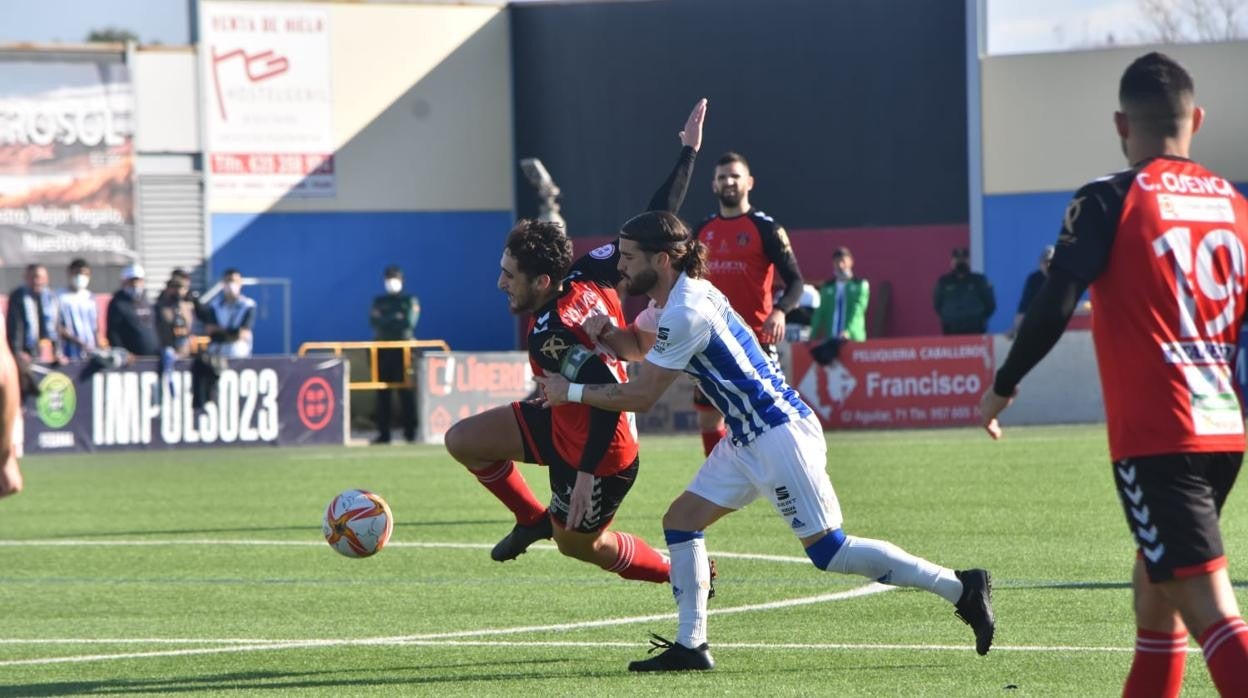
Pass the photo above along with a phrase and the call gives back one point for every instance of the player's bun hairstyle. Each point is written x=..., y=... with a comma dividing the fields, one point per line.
x=1156, y=93
x=660, y=231
x=540, y=247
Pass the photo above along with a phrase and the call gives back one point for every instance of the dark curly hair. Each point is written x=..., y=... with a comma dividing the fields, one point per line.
x=540, y=248
x=661, y=231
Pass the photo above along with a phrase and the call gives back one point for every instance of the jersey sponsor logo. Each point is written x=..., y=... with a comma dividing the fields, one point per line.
x=1199, y=209
x=603, y=252
x=784, y=239
x=573, y=361
x=1185, y=184
x=553, y=347
x=660, y=340
x=1073, y=209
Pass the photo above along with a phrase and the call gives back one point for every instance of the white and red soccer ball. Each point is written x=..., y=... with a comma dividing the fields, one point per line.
x=357, y=523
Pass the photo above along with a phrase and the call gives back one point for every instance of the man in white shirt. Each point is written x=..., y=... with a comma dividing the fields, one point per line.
x=79, y=319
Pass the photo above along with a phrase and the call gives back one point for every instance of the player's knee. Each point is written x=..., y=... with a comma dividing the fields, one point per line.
x=575, y=546
x=822, y=551
x=459, y=440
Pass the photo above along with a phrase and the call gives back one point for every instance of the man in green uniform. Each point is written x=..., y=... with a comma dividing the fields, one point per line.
x=394, y=317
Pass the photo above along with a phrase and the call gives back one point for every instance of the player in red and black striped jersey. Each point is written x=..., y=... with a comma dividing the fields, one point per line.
x=746, y=250
x=1163, y=247
x=590, y=454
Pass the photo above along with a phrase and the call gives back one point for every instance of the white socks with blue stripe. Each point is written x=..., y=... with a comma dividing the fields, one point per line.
x=888, y=564
x=691, y=583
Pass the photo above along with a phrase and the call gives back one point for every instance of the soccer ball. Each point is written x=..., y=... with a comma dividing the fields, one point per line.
x=357, y=523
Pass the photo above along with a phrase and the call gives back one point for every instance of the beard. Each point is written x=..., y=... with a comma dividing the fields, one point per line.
x=730, y=198
x=641, y=284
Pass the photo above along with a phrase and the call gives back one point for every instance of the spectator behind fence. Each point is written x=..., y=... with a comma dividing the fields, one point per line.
x=79, y=321
x=229, y=317
x=131, y=321
x=964, y=299
x=1030, y=287
x=394, y=316
x=842, y=314
x=32, y=317
x=175, y=314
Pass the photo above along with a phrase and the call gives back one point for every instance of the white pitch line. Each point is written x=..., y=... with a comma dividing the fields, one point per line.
x=873, y=588
x=139, y=542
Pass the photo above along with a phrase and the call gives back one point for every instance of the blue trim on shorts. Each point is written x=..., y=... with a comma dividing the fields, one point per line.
x=823, y=550
x=673, y=537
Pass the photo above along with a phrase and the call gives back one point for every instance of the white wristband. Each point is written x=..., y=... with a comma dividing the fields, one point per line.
x=574, y=391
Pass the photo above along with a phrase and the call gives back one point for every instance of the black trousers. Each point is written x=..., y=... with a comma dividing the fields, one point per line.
x=390, y=369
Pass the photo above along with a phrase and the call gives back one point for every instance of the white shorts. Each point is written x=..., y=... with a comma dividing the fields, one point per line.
x=787, y=465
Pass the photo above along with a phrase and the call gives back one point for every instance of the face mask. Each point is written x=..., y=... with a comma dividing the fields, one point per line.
x=134, y=291
x=394, y=285
x=81, y=281
x=235, y=290
x=962, y=267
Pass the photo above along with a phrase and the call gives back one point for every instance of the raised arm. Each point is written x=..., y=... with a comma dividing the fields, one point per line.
x=671, y=194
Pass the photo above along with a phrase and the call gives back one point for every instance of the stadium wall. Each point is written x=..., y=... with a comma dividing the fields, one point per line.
x=852, y=115
x=1048, y=129
x=421, y=122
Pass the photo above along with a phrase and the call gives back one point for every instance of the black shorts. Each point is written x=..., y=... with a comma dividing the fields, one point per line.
x=539, y=447
x=1172, y=503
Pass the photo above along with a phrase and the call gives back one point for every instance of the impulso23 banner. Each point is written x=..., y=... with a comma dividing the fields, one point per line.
x=66, y=164
x=274, y=401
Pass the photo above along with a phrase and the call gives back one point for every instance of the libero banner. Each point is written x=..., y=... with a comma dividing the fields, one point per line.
x=66, y=163
x=453, y=385
x=898, y=383
x=267, y=99
x=277, y=401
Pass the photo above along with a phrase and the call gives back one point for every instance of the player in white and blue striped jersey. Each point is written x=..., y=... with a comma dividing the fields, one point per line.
x=775, y=449
x=79, y=321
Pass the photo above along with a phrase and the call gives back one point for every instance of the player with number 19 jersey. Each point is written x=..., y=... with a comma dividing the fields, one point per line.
x=1163, y=246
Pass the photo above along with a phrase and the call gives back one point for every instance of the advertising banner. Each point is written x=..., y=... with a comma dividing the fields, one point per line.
x=267, y=99
x=898, y=383
x=277, y=401
x=454, y=385
x=66, y=164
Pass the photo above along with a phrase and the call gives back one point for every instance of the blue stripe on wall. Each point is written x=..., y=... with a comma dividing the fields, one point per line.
x=1016, y=229
x=335, y=261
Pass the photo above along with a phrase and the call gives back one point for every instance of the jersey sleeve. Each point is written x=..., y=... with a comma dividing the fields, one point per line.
x=600, y=265
x=1087, y=233
x=780, y=253
x=671, y=194
x=648, y=320
x=557, y=350
x=681, y=334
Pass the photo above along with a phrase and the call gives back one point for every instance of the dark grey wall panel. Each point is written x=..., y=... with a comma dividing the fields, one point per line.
x=851, y=112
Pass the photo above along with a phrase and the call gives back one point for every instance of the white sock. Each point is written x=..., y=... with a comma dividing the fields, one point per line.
x=889, y=564
x=691, y=582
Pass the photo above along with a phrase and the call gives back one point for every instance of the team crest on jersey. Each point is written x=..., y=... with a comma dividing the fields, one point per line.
x=743, y=239
x=553, y=347
x=603, y=252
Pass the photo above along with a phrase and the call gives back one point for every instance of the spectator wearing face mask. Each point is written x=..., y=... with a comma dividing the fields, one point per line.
x=393, y=317
x=131, y=321
x=963, y=299
x=79, y=321
x=175, y=314
x=229, y=319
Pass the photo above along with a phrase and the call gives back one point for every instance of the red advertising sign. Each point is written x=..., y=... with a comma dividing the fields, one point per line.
x=455, y=385
x=898, y=383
